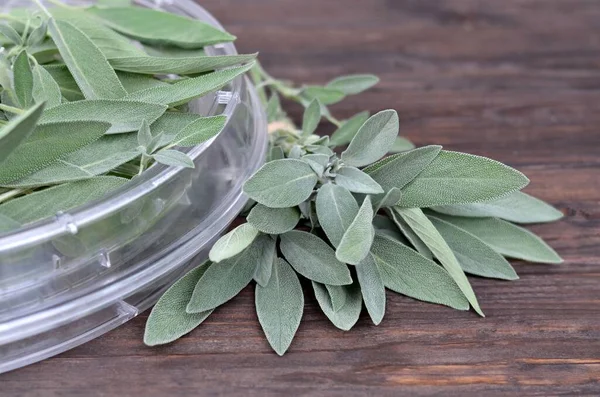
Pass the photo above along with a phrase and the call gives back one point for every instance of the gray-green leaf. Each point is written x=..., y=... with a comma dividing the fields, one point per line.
x=263, y=254
x=412, y=237
x=18, y=130
x=389, y=199
x=318, y=162
x=353, y=84
x=279, y=306
x=402, y=145
x=406, y=272
x=348, y=315
x=273, y=220
x=325, y=95
x=357, y=239
x=313, y=258
x=281, y=183
x=23, y=79
x=518, y=207
x=10, y=33
x=181, y=66
x=45, y=88
x=168, y=320
x=373, y=139
x=337, y=295
x=356, y=181
x=372, y=288
x=336, y=209
x=173, y=158
x=344, y=134
x=474, y=255
x=422, y=226
x=199, y=131
x=233, y=242
x=459, y=178
x=312, y=116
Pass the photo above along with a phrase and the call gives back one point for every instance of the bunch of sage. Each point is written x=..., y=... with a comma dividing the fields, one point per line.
x=92, y=96
x=353, y=222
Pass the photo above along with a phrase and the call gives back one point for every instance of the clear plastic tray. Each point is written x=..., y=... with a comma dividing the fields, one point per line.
x=69, y=279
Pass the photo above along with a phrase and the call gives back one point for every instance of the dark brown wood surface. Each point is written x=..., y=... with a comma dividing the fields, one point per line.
x=515, y=80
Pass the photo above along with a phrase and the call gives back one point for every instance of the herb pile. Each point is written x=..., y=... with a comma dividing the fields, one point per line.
x=353, y=223
x=92, y=96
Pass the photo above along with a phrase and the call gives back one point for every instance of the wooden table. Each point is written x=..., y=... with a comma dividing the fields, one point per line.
x=515, y=80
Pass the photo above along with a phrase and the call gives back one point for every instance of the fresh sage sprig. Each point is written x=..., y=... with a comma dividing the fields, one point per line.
x=355, y=223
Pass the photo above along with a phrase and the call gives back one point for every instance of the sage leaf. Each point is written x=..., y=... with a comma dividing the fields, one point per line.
x=263, y=253
x=46, y=203
x=276, y=153
x=412, y=237
x=505, y=238
x=185, y=90
x=47, y=143
x=318, y=162
x=68, y=86
x=168, y=320
x=356, y=181
x=353, y=84
x=344, y=134
x=408, y=273
x=233, y=242
x=389, y=199
x=161, y=28
x=173, y=52
x=373, y=140
x=281, y=183
x=384, y=226
x=45, y=88
x=144, y=136
x=422, y=226
x=273, y=220
x=38, y=35
x=18, y=130
x=459, y=178
x=311, y=119
x=7, y=224
x=326, y=96
x=279, y=306
x=474, y=255
x=11, y=34
x=221, y=282
x=348, y=315
x=313, y=258
x=133, y=82
x=337, y=296
x=23, y=79
x=90, y=69
x=180, y=66
x=372, y=288
x=400, y=169
x=124, y=116
x=172, y=123
x=199, y=131
x=336, y=209
x=357, y=239
x=517, y=207
x=402, y=145
x=99, y=157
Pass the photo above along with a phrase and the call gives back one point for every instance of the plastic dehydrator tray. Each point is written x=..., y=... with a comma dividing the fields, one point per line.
x=70, y=279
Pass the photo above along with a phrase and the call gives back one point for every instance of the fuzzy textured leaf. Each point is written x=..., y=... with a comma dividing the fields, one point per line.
x=336, y=209
x=412, y=237
x=326, y=96
x=356, y=181
x=199, y=131
x=45, y=88
x=372, y=288
x=402, y=144
x=311, y=118
x=273, y=220
x=348, y=315
x=353, y=84
x=233, y=242
x=373, y=140
x=357, y=239
x=179, y=65
x=344, y=134
x=18, y=130
x=263, y=255
x=23, y=79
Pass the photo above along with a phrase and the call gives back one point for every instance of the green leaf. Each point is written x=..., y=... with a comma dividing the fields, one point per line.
x=326, y=96
x=233, y=242
x=373, y=139
x=199, y=131
x=273, y=109
x=38, y=35
x=168, y=320
x=400, y=169
x=311, y=119
x=273, y=220
x=353, y=84
x=221, y=282
x=507, y=239
x=348, y=315
x=173, y=52
x=402, y=145
x=46, y=203
x=124, y=116
x=18, y=130
x=279, y=306
x=187, y=89
x=133, y=82
x=47, y=143
x=384, y=226
x=313, y=258
x=344, y=134
x=336, y=209
x=318, y=162
x=263, y=254
x=337, y=296
x=45, y=88
x=459, y=178
x=10, y=33
x=357, y=239
x=68, y=86
x=180, y=66
x=7, y=224
x=518, y=207
x=356, y=181
x=162, y=28
x=389, y=199
x=474, y=255
x=99, y=157
x=408, y=273
x=422, y=226
x=372, y=288
x=23, y=79
x=114, y=3
x=144, y=136
x=281, y=183
x=276, y=153
x=90, y=69
x=412, y=237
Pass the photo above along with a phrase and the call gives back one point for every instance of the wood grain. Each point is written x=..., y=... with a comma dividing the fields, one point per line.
x=516, y=80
